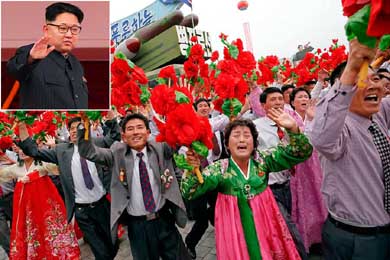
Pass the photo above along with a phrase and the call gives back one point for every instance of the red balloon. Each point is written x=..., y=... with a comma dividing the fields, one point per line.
x=242, y=5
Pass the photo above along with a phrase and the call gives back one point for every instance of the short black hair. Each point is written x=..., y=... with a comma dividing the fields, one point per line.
x=295, y=92
x=242, y=122
x=53, y=10
x=310, y=82
x=134, y=116
x=337, y=72
x=200, y=100
x=382, y=70
x=267, y=91
x=72, y=120
x=286, y=87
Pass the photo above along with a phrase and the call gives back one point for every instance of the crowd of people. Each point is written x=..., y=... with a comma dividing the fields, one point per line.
x=298, y=168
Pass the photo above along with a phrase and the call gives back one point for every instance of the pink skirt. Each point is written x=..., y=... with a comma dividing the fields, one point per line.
x=274, y=237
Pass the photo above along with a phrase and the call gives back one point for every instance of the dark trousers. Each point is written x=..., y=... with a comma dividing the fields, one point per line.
x=282, y=194
x=5, y=216
x=94, y=222
x=152, y=239
x=339, y=244
x=202, y=215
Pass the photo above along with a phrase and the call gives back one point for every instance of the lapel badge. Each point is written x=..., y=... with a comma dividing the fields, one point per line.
x=167, y=178
x=122, y=176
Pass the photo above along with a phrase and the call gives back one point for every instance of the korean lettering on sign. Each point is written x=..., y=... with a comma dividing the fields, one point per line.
x=124, y=28
x=184, y=35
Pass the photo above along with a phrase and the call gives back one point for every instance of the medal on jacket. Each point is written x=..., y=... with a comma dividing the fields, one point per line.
x=166, y=178
x=122, y=176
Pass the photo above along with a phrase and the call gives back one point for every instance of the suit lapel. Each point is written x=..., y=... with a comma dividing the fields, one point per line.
x=154, y=162
x=129, y=165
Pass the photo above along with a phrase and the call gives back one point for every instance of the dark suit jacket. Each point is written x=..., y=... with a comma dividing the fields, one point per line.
x=62, y=156
x=120, y=156
x=50, y=83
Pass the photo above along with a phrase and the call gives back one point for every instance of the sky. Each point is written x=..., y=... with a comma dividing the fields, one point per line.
x=277, y=27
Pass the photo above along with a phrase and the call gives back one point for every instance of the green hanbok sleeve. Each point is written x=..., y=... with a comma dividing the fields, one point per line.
x=190, y=186
x=285, y=157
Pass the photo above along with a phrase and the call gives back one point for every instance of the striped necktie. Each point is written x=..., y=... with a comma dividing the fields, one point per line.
x=383, y=146
x=147, y=192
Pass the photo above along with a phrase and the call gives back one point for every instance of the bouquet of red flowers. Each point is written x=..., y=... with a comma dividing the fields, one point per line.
x=177, y=121
x=128, y=84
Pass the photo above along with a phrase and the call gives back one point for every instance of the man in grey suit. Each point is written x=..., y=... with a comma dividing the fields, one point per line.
x=84, y=185
x=145, y=192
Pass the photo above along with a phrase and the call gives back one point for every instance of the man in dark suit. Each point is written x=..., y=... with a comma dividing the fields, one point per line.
x=50, y=76
x=145, y=192
x=84, y=184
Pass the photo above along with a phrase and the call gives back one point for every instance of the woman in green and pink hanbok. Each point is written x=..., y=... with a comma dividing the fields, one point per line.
x=248, y=224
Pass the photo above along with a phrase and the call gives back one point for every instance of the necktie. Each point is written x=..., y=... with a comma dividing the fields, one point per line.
x=383, y=147
x=280, y=133
x=147, y=192
x=86, y=174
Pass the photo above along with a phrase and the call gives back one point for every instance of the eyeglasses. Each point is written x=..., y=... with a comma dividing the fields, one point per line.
x=63, y=28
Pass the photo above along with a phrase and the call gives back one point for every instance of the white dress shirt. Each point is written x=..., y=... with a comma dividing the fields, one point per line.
x=268, y=138
x=84, y=195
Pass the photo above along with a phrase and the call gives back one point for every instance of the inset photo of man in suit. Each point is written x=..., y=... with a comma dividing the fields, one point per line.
x=66, y=60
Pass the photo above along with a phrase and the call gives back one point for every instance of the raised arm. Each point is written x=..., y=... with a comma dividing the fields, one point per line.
x=92, y=152
x=284, y=157
x=30, y=147
x=328, y=132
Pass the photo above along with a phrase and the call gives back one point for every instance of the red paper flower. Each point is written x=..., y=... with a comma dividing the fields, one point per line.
x=168, y=73
x=182, y=126
x=214, y=56
x=5, y=142
x=223, y=36
x=194, y=38
x=163, y=99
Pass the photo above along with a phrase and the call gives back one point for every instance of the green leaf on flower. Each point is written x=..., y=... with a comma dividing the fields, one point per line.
x=356, y=27
x=231, y=107
x=161, y=81
x=384, y=43
x=181, y=162
x=120, y=55
x=93, y=115
x=233, y=51
x=200, y=148
x=145, y=94
x=181, y=98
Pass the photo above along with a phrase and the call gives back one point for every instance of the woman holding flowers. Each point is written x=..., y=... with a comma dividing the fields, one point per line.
x=248, y=224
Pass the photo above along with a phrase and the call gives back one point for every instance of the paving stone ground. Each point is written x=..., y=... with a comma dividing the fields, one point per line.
x=205, y=249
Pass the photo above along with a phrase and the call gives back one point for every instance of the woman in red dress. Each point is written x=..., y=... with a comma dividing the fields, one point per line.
x=39, y=226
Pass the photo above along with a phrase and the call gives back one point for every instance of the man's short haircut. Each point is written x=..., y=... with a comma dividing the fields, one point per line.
x=72, y=120
x=382, y=70
x=337, y=72
x=266, y=92
x=287, y=87
x=200, y=100
x=53, y=10
x=134, y=116
x=310, y=82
